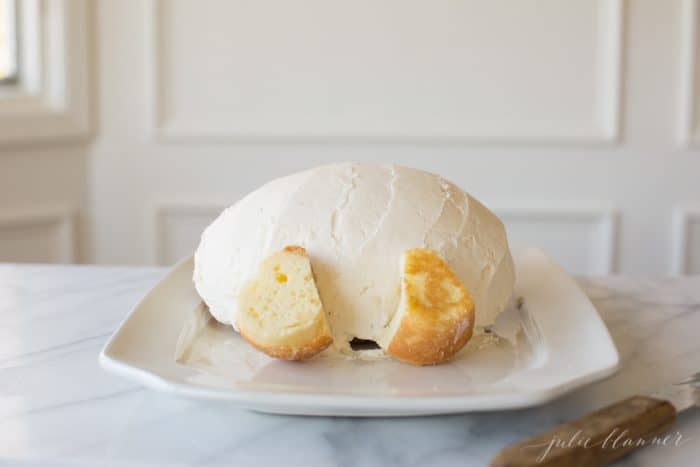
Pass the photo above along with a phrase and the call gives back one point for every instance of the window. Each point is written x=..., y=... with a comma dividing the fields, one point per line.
x=8, y=42
x=44, y=87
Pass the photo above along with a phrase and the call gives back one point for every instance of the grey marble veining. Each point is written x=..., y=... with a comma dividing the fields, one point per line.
x=58, y=407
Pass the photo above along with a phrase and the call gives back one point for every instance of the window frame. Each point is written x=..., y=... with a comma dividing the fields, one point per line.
x=13, y=79
x=48, y=100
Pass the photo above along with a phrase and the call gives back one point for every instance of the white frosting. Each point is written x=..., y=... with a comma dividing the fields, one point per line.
x=355, y=221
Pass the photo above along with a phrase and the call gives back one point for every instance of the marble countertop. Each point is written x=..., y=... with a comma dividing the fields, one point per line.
x=58, y=407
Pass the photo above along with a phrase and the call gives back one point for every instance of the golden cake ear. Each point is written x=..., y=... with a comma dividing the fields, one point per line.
x=280, y=310
x=435, y=318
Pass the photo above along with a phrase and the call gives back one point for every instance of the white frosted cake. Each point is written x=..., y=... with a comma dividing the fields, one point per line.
x=355, y=221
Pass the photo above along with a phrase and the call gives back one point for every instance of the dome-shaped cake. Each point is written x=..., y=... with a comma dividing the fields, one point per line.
x=355, y=221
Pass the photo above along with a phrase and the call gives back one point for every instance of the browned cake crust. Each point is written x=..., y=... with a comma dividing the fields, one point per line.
x=299, y=250
x=438, y=319
x=285, y=352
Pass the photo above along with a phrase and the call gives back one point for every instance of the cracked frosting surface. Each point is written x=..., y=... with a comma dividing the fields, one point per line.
x=355, y=221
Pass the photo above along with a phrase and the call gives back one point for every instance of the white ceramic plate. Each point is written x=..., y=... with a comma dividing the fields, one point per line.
x=557, y=343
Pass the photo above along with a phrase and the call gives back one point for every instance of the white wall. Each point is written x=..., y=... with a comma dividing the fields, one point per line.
x=42, y=202
x=574, y=120
x=44, y=125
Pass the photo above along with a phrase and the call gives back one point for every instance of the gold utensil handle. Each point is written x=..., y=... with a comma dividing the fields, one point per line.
x=596, y=439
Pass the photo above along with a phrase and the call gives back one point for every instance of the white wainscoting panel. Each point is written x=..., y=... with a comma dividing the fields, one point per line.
x=177, y=228
x=685, y=247
x=532, y=71
x=538, y=100
x=581, y=237
x=38, y=235
x=689, y=97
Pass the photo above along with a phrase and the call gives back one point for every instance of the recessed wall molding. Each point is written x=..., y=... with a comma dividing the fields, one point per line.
x=686, y=228
x=688, y=128
x=582, y=236
x=176, y=226
x=50, y=231
x=178, y=124
x=50, y=100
